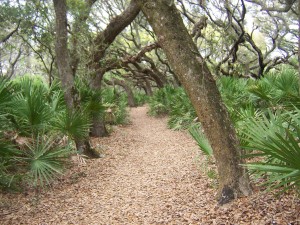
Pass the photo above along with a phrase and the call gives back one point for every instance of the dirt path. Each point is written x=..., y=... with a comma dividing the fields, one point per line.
x=149, y=175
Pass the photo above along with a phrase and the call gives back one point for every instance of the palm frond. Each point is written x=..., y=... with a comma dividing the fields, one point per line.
x=74, y=124
x=44, y=159
x=278, y=142
x=201, y=140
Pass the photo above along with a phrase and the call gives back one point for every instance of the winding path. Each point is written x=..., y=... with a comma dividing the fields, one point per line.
x=149, y=175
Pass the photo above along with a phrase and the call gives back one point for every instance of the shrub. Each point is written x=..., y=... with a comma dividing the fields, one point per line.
x=115, y=104
x=140, y=98
x=275, y=138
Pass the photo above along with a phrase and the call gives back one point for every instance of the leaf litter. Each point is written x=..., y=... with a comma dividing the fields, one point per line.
x=148, y=174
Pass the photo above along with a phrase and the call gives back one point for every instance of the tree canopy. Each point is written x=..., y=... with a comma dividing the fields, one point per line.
x=89, y=45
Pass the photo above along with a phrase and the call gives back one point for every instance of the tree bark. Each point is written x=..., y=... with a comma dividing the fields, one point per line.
x=102, y=41
x=105, y=38
x=61, y=50
x=98, y=128
x=77, y=30
x=65, y=71
x=201, y=88
x=148, y=88
x=122, y=83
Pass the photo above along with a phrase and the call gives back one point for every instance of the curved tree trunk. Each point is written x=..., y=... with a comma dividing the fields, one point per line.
x=201, y=88
x=102, y=41
x=122, y=83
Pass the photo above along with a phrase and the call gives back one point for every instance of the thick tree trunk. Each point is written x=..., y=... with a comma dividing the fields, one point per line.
x=98, y=128
x=61, y=50
x=78, y=29
x=64, y=68
x=102, y=41
x=201, y=87
x=84, y=147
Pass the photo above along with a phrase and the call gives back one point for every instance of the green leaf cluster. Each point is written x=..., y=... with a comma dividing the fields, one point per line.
x=266, y=115
x=34, y=122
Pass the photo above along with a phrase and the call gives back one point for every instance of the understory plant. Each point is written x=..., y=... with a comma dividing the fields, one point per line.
x=33, y=121
x=175, y=103
x=273, y=140
x=160, y=102
x=182, y=114
x=140, y=98
x=266, y=116
x=115, y=104
x=45, y=159
x=204, y=145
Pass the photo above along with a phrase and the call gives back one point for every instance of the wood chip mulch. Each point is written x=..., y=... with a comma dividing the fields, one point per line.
x=149, y=175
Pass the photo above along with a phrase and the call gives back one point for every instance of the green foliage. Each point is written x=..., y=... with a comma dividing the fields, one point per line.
x=45, y=159
x=29, y=109
x=160, y=101
x=266, y=116
x=201, y=140
x=8, y=156
x=32, y=111
x=91, y=100
x=115, y=103
x=74, y=124
x=39, y=161
x=175, y=103
x=275, y=138
x=276, y=90
x=233, y=92
x=55, y=97
x=121, y=113
x=7, y=150
x=140, y=98
x=4, y=93
x=182, y=113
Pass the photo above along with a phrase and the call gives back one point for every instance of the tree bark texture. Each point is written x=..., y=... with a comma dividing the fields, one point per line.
x=78, y=29
x=201, y=88
x=127, y=89
x=65, y=71
x=61, y=50
x=105, y=38
x=102, y=41
x=98, y=128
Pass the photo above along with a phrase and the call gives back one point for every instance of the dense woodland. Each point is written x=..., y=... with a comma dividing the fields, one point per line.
x=226, y=71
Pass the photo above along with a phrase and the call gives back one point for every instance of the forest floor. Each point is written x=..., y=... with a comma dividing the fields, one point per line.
x=149, y=175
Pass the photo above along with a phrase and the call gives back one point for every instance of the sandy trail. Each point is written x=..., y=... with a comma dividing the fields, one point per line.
x=149, y=175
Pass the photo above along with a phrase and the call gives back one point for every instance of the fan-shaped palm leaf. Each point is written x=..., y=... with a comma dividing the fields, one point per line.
x=278, y=143
x=73, y=124
x=45, y=159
